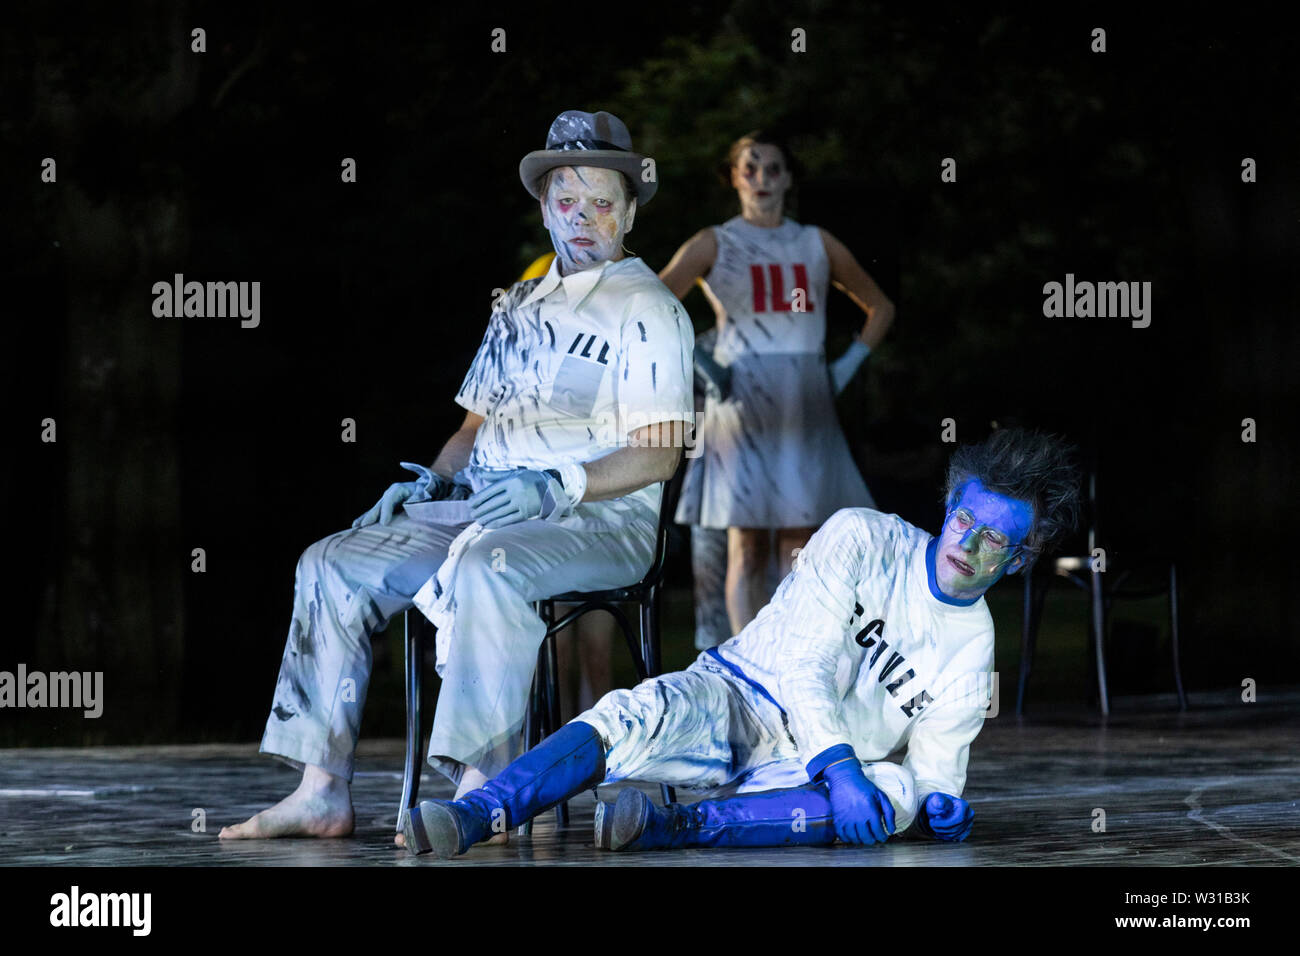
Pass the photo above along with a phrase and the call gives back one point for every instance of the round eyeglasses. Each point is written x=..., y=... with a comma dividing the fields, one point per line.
x=960, y=521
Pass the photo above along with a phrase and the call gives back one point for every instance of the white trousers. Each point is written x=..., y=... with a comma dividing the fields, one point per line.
x=705, y=728
x=348, y=586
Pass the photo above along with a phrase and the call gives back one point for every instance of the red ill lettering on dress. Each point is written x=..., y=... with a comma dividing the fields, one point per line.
x=779, y=303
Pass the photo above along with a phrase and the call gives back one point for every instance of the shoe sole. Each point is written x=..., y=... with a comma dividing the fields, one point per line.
x=625, y=823
x=431, y=828
x=604, y=817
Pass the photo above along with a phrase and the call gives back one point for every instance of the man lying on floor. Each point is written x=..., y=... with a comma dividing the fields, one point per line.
x=879, y=638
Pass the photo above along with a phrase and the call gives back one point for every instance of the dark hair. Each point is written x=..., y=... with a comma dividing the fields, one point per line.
x=763, y=137
x=1030, y=466
x=544, y=183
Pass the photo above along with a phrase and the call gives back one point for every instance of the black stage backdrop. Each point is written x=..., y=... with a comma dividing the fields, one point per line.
x=177, y=434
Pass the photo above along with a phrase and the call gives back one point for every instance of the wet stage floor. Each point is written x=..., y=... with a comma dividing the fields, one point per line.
x=1218, y=785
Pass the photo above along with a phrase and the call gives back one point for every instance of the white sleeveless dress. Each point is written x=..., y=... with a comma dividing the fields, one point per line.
x=772, y=454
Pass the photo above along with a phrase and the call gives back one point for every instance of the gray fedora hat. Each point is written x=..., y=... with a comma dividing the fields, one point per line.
x=587, y=139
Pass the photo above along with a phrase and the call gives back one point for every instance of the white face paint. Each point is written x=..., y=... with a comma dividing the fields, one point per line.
x=761, y=177
x=587, y=216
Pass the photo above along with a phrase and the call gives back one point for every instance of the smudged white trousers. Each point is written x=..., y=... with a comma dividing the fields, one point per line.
x=348, y=586
x=705, y=728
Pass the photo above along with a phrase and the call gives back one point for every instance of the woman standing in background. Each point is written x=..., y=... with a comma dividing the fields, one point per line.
x=773, y=455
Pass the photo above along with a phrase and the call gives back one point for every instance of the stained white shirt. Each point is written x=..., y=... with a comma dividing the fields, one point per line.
x=570, y=365
x=857, y=650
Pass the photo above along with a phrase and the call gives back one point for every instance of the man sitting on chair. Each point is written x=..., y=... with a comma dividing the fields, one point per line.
x=879, y=638
x=577, y=402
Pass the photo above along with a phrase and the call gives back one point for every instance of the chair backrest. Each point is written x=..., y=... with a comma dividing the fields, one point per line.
x=672, y=489
x=672, y=492
x=1091, y=463
x=1086, y=533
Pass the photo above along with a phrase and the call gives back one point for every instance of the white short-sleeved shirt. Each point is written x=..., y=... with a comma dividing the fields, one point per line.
x=570, y=365
x=856, y=649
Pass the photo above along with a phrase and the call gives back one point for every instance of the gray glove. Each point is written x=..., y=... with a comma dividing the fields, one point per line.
x=523, y=495
x=430, y=487
x=846, y=366
x=716, y=378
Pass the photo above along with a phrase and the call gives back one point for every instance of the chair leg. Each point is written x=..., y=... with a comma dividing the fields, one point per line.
x=1026, y=628
x=650, y=633
x=533, y=732
x=633, y=647
x=547, y=682
x=650, y=654
x=552, y=701
x=1098, y=636
x=1033, y=611
x=533, y=724
x=551, y=683
x=414, y=729
x=1173, y=628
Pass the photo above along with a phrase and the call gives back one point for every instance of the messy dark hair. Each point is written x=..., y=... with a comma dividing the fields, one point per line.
x=544, y=183
x=1029, y=466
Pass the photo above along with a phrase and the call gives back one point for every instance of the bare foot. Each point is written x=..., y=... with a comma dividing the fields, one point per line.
x=320, y=807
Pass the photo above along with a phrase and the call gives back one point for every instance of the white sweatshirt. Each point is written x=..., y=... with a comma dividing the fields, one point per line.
x=858, y=650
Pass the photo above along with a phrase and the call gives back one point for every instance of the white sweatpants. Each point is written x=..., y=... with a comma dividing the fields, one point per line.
x=349, y=584
x=705, y=728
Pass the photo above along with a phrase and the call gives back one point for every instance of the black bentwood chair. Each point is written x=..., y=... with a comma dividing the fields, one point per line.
x=1105, y=586
x=544, y=702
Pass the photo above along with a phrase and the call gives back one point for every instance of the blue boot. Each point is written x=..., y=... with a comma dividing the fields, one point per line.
x=569, y=761
x=798, y=816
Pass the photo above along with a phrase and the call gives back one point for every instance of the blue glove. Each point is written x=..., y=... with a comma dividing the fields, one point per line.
x=523, y=495
x=717, y=378
x=862, y=814
x=430, y=487
x=945, y=817
x=846, y=366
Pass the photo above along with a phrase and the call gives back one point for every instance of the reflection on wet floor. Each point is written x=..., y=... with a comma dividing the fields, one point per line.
x=1219, y=785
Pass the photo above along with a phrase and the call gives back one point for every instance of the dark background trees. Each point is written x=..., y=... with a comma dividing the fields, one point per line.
x=177, y=434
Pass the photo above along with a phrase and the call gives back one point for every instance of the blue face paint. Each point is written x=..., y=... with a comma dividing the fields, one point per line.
x=962, y=563
x=1008, y=516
